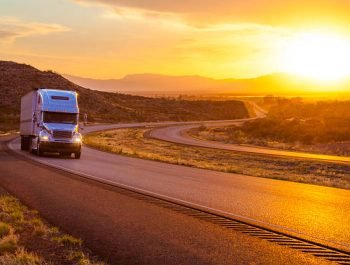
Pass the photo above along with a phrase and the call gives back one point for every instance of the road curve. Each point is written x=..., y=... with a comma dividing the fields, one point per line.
x=177, y=134
x=321, y=214
x=123, y=228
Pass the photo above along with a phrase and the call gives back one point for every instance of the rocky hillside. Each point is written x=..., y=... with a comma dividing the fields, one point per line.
x=18, y=79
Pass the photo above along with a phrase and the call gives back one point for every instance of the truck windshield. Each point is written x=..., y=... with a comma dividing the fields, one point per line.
x=59, y=117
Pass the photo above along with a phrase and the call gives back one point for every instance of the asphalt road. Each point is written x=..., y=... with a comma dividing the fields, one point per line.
x=124, y=229
x=318, y=213
x=177, y=134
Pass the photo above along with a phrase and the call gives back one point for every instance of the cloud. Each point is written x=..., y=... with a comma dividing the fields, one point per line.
x=205, y=12
x=205, y=42
x=13, y=28
x=234, y=41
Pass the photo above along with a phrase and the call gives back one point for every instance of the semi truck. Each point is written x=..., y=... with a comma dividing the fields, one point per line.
x=49, y=122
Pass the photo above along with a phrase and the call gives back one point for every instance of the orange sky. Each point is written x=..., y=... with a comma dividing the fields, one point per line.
x=112, y=38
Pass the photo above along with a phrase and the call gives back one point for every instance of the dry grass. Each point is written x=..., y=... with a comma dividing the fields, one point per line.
x=67, y=240
x=4, y=229
x=21, y=257
x=131, y=142
x=232, y=135
x=26, y=239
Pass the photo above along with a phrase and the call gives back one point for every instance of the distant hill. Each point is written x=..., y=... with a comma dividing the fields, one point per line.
x=148, y=83
x=154, y=84
x=18, y=79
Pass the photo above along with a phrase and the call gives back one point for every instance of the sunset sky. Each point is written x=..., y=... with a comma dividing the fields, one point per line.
x=219, y=39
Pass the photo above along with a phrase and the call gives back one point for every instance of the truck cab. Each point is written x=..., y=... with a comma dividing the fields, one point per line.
x=50, y=122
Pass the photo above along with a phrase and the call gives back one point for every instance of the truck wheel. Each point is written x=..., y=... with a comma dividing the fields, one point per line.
x=30, y=148
x=39, y=152
x=24, y=143
x=23, y=147
x=77, y=155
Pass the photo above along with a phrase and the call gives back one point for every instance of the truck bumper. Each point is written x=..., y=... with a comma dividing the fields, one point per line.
x=56, y=147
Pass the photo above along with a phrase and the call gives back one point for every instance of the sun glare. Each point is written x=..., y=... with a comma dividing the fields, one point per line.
x=318, y=56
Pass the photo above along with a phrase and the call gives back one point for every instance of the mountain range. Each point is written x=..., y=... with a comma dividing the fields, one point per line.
x=156, y=84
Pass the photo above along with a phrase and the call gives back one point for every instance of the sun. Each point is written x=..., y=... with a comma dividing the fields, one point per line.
x=318, y=56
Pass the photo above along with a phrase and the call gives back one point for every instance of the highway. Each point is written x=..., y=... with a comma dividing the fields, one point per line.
x=125, y=229
x=320, y=214
x=177, y=134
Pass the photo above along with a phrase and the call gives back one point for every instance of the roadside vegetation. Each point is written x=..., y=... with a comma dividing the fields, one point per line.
x=26, y=239
x=320, y=127
x=8, y=122
x=136, y=143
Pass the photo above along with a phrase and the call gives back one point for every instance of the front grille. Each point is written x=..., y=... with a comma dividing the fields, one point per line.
x=62, y=134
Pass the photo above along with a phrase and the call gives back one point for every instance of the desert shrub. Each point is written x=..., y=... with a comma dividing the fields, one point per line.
x=202, y=128
x=8, y=244
x=21, y=257
x=306, y=123
x=67, y=240
x=4, y=229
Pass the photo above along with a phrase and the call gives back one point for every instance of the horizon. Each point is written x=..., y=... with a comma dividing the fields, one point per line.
x=280, y=74
x=173, y=75
x=157, y=85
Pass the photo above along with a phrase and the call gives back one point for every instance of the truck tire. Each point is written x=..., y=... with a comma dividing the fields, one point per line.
x=25, y=143
x=39, y=152
x=30, y=148
x=77, y=155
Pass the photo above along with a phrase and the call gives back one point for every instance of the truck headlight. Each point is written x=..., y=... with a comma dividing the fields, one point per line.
x=77, y=138
x=44, y=136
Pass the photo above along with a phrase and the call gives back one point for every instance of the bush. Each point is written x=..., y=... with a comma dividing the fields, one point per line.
x=4, y=229
x=298, y=122
x=8, y=244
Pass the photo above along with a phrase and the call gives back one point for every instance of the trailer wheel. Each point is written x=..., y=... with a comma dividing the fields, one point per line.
x=77, y=155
